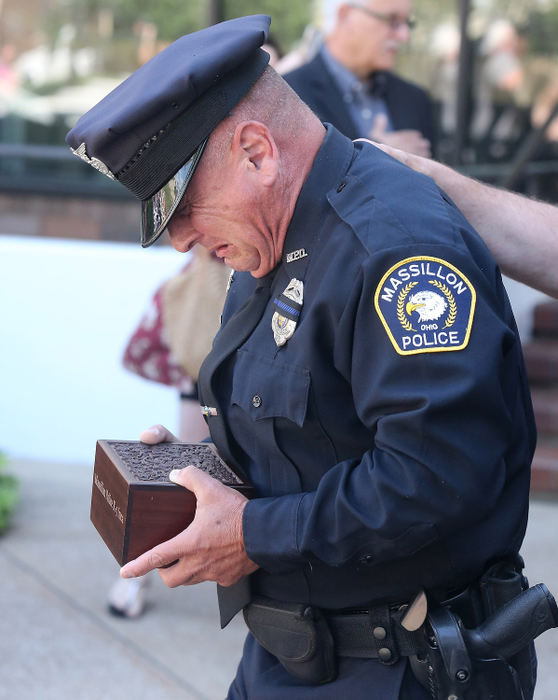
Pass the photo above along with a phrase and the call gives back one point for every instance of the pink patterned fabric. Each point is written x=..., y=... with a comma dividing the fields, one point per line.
x=147, y=352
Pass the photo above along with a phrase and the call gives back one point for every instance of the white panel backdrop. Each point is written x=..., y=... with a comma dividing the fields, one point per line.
x=67, y=311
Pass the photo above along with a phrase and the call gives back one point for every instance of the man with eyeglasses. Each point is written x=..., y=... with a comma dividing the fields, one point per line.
x=349, y=83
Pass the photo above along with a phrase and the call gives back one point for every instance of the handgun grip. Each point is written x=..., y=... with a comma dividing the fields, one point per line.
x=514, y=625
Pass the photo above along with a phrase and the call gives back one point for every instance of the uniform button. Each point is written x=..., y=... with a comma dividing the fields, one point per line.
x=341, y=187
x=384, y=654
x=367, y=559
x=256, y=401
x=379, y=633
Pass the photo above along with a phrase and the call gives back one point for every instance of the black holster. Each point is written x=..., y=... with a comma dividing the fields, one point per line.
x=451, y=662
x=501, y=583
x=298, y=635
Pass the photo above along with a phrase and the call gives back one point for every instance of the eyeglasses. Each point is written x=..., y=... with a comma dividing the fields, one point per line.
x=394, y=21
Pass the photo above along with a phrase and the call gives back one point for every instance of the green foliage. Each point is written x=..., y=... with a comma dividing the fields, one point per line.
x=288, y=17
x=8, y=495
x=173, y=18
x=543, y=29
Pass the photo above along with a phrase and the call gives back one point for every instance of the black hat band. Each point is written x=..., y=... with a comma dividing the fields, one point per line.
x=161, y=157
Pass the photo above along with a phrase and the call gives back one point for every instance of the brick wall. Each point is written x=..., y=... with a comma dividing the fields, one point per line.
x=69, y=217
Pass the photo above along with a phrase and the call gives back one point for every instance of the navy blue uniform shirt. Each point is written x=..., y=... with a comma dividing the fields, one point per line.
x=390, y=438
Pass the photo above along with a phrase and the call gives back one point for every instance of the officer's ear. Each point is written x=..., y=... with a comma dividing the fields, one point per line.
x=257, y=151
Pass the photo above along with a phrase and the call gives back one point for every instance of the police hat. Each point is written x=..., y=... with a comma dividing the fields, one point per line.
x=149, y=132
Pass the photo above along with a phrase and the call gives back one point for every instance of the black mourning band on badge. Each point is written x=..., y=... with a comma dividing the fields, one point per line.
x=168, y=150
x=287, y=307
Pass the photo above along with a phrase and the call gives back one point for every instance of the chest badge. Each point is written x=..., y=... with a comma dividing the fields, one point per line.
x=287, y=311
x=426, y=305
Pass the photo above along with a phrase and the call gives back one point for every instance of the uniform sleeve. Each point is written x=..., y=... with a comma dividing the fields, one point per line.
x=431, y=350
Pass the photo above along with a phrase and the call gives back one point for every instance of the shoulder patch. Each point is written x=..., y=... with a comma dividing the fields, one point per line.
x=426, y=305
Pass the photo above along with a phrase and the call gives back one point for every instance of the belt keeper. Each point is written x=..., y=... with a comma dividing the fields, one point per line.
x=381, y=624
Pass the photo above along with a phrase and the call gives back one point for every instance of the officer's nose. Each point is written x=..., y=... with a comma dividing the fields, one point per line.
x=182, y=234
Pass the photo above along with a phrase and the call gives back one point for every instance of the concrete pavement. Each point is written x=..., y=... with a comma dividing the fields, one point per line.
x=57, y=641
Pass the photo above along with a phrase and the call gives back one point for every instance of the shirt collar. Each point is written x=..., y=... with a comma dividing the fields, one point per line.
x=328, y=172
x=347, y=81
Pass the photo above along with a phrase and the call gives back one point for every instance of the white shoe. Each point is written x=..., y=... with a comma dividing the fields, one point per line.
x=126, y=598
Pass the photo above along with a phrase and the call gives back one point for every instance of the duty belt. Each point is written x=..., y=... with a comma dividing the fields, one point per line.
x=474, y=645
x=372, y=634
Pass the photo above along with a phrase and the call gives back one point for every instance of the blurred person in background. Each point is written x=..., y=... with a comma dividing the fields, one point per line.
x=350, y=82
x=303, y=51
x=498, y=118
x=544, y=119
x=9, y=78
x=444, y=45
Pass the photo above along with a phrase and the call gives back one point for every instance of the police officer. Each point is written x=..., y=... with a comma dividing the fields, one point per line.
x=367, y=377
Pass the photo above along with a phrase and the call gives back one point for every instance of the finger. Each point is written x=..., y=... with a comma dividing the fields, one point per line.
x=373, y=143
x=156, y=434
x=168, y=566
x=427, y=150
x=384, y=147
x=379, y=126
x=184, y=573
x=393, y=152
x=161, y=556
x=193, y=479
x=421, y=148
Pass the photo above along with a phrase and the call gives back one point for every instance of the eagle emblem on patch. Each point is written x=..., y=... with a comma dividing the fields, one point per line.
x=426, y=305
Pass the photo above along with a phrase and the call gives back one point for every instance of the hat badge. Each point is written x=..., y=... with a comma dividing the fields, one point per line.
x=93, y=162
x=287, y=311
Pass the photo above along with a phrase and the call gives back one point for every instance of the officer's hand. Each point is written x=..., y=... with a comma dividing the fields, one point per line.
x=211, y=548
x=409, y=140
x=156, y=434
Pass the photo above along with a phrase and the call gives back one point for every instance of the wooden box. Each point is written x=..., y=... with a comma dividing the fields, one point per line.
x=134, y=506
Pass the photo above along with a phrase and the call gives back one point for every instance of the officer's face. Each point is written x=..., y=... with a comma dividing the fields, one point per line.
x=375, y=30
x=214, y=219
x=225, y=210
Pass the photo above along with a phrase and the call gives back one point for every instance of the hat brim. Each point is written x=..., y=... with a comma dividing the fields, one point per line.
x=157, y=211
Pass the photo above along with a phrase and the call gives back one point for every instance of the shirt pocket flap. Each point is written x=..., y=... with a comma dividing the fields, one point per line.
x=265, y=388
